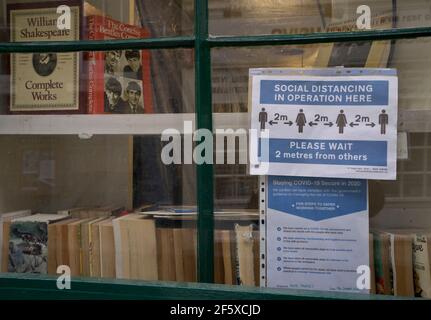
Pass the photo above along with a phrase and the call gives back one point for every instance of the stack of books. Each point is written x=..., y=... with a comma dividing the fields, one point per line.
x=110, y=243
x=402, y=262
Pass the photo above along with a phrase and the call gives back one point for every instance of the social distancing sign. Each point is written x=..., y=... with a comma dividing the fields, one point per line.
x=339, y=123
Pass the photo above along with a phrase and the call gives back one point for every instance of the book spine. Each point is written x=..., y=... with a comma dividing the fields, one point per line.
x=244, y=253
x=91, y=66
x=1, y=240
x=118, y=251
x=65, y=97
x=52, y=249
x=90, y=63
x=146, y=76
x=5, y=246
x=95, y=68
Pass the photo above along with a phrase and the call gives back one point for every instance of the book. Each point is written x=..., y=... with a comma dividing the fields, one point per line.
x=5, y=219
x=87, y=245
x=178, y=254
x=93, y=212
x=422, y=264
x=107, y=249
x=165, y=254
x=45, y=82
x=74, y=238
x=57, y=245
x=245, y=255
x=136, y=248
x=382, y=263
x=256, y=256
x=62, y=245
x=228, y=251
x=402, y=264
x=372, y=268
x=28, y=243
x=219, y=272
x=189, y=254
x=95, y=246
x=73, y=212
x=119, y=81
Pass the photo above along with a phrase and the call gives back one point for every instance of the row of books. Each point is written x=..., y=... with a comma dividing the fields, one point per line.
x=112, y=82
x=161, y=245
x=110, y=243
x=401, y=260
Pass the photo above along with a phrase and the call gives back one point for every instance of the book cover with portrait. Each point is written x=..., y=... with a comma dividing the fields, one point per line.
x=45, y=82
x=119, y=80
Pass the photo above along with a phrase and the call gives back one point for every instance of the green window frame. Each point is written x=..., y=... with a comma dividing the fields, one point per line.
x=13, y=286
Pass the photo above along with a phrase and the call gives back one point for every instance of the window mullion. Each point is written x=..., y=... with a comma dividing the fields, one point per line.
x=204, y=119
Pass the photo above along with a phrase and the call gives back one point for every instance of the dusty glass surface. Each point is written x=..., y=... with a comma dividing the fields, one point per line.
x=393, y=205
x=263, y=17
x=104, y=206
x=32, y=20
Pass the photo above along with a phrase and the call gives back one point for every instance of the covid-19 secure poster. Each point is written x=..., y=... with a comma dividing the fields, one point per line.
x=335, y=123
x=316, y=234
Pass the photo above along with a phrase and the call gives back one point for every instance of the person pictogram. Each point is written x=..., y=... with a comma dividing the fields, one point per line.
x=301, y=121
x=383, y=121
x=263, y=119
x=341, y=122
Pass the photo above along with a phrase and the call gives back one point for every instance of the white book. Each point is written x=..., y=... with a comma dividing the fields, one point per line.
x=422, y=265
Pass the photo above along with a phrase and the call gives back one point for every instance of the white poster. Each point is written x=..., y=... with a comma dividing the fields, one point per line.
x=334, y=122
x=317, y=234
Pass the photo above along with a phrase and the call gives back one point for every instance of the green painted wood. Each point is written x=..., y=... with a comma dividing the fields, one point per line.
x=291, y=39
x=204, y=120
x=27, y=286
x=97, y=45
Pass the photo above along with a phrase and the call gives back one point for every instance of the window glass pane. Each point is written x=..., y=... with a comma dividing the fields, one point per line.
x=82, y=137
x=400, y=204
x=230, y=72
x=31, y=20
x=101, y=206
x=244, y=17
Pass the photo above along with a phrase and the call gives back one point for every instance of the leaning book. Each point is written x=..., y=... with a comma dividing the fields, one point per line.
x=45, y=82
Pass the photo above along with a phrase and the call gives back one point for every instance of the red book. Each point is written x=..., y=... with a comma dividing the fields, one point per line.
x=118, y=81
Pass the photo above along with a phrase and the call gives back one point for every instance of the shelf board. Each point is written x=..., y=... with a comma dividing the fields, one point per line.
x=418, y=120
x=87, y=125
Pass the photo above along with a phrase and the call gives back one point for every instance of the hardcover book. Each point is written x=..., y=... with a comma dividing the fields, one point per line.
x=119, y=81
x=45, y=82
